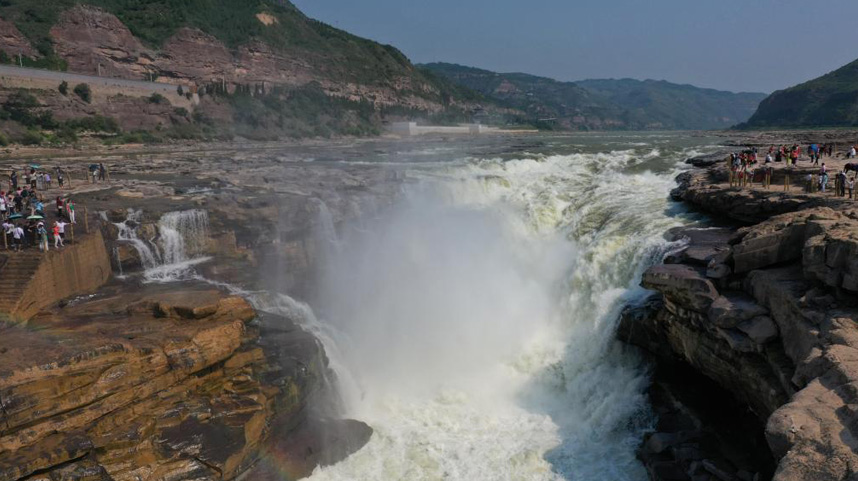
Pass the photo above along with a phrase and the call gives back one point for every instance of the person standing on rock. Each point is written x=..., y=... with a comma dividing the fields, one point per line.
x=60, y=180
x=42, y=235
x=58, y=239
x=101, y=171
x=4, y=206
x=70, y=209
x=18, y=201
x=60, y=224
x=18, y=238
x=47, y=180
x=8, y=227
x=13, y=179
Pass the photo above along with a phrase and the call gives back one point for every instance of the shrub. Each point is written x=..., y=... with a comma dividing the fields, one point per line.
x=65, y=134
x=95, y=123
x=19, y=107
x=157, y=98
x=136, y=137
x=181, y=112
x=83, y=91
x=64, y=88
x=180, y=91
x=32, y=137
x=4, y=141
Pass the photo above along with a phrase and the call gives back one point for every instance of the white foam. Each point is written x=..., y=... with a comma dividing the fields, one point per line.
x=478, y=319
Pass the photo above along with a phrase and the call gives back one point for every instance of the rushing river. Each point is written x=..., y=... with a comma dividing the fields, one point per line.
x=477, y=317
x=472, y=324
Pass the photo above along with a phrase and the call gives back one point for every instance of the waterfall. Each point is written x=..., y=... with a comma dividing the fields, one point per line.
x=128, y=234
x=326, y=231
x=183, y=234
x=181, y=241
x=478, y=317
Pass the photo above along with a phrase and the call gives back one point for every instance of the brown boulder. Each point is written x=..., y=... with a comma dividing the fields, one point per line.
x=681, y=284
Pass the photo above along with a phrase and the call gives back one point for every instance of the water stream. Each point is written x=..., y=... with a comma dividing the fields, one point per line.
x=472, y=325
x=477, y=318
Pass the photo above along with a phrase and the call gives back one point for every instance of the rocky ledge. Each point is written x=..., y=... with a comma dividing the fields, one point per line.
x=768, y=313
x=163, y=385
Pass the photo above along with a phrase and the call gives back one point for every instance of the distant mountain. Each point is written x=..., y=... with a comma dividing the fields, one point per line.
x=828, y=101
x=607, y=104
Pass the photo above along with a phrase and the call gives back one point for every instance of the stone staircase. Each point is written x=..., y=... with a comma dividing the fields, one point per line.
x=17, y=269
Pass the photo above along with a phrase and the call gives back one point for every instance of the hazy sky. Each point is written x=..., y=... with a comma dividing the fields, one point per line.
x=739, y=45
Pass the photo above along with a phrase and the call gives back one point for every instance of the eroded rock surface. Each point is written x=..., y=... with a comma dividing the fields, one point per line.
x=151, y=385
x=771, y=315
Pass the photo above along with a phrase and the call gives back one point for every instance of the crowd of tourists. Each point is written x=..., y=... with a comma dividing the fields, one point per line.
x=745, y=165
x=22, y=210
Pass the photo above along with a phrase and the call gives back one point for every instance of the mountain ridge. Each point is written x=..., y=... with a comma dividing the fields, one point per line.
x=830, y=100
x=626, y=104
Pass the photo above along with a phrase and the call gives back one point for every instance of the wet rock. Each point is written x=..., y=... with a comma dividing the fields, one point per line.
x=126, y=258
x=708, y=160
x=760, y=329
x=737, y=340
x=660, y=442
x=718, y=271
x=681, y=284
x=729, y=310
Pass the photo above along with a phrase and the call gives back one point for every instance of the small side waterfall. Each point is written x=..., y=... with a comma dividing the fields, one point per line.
x=182, y=238
x=181, y=241
x=128, y=233
x=182, y=234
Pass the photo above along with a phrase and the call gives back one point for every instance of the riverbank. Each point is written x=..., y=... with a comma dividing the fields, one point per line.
x=165, y=341
x=766, y=310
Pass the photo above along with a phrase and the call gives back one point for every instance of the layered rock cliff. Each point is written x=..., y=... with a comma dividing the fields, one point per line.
x=768, y=313
x=152, y=385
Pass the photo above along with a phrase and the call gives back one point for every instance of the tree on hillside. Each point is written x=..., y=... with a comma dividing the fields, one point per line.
x=83, y=91
x=64, y=88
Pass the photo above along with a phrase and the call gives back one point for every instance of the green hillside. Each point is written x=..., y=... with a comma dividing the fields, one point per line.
x=335, y=57
x=828, y=101
x=232, y=22
x=679, y=106
x=609, y=104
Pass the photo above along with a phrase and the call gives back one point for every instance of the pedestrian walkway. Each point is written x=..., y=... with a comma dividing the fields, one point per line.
x=16, y=272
